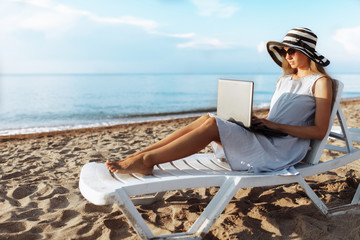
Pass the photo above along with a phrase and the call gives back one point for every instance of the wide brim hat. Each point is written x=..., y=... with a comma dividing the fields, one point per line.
x=301, y=39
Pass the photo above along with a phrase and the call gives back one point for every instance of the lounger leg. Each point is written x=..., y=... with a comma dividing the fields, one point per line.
x=201, y=225
x=311, y=194
x=146, y=200
x=356, y=197
x=345, y=130
x=215, y=207
x=353, y=207
x=132, y=214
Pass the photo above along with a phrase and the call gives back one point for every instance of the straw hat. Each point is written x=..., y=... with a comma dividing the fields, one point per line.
x=301, y=39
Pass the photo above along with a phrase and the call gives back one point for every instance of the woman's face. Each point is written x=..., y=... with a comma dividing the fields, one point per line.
x=297, y=60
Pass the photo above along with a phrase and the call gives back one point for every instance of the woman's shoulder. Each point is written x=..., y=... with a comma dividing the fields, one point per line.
x=324, y=80
x=319, y=76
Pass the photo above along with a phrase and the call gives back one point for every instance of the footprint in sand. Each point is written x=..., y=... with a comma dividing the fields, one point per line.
x=12, y=175
x=45, y=189
x=31, y=215
x=65, y=151
x=87, y=228
x=58, y=202
x=66, y=216
x=30, y=159
x=23, y=191
x=89, y=208
x=116, y=224
x=12, y=227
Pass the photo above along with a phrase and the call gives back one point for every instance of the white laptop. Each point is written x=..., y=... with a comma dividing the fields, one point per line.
x=235, y=103
x=235, y=99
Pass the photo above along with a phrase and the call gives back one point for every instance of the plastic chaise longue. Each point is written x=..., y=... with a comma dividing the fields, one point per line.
x=101, y=187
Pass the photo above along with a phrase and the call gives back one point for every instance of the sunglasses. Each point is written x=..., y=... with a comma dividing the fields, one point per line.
x=290, y=51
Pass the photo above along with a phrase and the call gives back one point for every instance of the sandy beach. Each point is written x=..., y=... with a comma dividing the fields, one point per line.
x=40, y=198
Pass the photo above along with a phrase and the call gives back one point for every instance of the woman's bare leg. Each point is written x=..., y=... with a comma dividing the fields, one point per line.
x=173, y=136
x=183, y=146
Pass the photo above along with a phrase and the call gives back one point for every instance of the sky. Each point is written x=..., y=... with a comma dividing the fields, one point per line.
x=169, y=36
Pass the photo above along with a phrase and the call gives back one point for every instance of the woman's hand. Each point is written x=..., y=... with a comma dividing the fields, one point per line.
x=263, y=122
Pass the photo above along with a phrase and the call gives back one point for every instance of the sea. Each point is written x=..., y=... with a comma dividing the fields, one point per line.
x=32, y=103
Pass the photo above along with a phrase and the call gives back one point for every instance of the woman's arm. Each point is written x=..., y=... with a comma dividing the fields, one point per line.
x=323, y=96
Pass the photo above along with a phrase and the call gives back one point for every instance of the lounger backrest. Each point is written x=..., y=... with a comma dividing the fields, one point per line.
x=317, y=146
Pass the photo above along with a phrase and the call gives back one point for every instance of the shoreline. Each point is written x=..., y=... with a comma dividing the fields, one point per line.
x=4, y=138
x=167, y=118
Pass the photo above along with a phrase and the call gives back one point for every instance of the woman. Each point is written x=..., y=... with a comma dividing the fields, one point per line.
x=300, y=107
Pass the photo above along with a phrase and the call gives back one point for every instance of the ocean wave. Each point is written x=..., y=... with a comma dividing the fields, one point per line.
x=135, y=118
x=127, y=120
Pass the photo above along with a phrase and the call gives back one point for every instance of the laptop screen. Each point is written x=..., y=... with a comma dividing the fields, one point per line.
x=235, y=100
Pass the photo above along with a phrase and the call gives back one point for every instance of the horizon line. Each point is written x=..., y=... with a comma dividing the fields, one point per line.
x=155, y=73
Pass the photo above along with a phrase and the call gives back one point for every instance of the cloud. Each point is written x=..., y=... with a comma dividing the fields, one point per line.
x=214, y=7
x=261, y=47
x=47, y=14
x=349, y=38
x=147, y=25
x=179, y=35
x=205, y=44
x=52, y=18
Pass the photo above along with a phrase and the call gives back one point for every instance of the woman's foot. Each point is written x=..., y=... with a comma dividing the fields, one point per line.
x=135, y=164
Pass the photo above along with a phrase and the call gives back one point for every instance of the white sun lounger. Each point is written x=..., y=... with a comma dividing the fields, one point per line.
x=102, y=187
